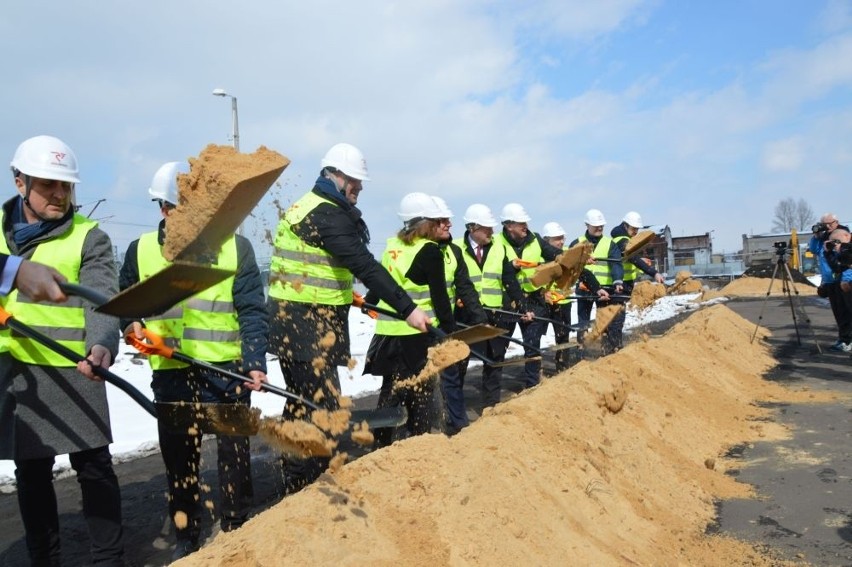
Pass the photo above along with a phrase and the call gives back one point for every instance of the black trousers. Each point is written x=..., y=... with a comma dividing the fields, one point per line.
x=101, y=507
x=321, y=386
x=561, y=312
x=181, y=452
x=841, y=308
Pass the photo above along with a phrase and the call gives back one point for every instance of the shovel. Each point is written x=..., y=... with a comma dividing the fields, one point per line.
x=239, y=419
x=138, y=397
x=536, y=317
x=221, y=189
x=510, y=339
x=474, y=334
x=638, y=242
x=154, y=295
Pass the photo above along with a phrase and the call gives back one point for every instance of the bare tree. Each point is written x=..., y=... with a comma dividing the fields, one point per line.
x=805, y=217
x=785, y=215
x=790, y=214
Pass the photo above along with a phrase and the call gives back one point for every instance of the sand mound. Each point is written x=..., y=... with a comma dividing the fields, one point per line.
x=757, y=287
x=608, y=463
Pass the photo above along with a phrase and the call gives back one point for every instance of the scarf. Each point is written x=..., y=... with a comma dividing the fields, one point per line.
x=24, y=232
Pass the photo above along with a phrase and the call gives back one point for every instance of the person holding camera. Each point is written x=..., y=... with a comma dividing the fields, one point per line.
x=829, y=287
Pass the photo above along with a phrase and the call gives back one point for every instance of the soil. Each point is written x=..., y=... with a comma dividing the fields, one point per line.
x=213, y=176
x=612, y=462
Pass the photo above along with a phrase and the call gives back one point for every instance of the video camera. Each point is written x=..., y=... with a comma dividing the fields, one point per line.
x=844, y=254
x=820, y=230
x=780, y=247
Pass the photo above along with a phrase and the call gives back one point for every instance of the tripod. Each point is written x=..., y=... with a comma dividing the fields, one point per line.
x=787, y=284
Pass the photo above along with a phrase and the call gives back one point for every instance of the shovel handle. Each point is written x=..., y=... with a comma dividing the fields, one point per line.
x=155, y=345
x=152, y=344
x=7, y=319
x=434, y=331
x=87, y=293
x=510, y=339
x=518, y=263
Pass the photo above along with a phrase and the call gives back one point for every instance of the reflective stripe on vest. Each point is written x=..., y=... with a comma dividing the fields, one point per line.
x=631, y=272
x=488, y=280
x=530, y=253
x=65, y=323
x=169, y=325
x=601, y=270
x=304, y=273
x=397, y=259
x=211, y=331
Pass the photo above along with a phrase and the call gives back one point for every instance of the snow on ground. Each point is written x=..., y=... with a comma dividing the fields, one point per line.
x=135, y=432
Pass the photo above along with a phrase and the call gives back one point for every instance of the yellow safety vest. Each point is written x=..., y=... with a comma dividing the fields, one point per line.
x=487, y=280
x=64, y=323
x=205, y=326
x=304, y=273
x=600, y=269
x=397, y=259
x=530, y=253
x=631, y=272
x=451, y=264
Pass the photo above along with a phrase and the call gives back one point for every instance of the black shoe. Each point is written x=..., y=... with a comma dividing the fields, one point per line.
x=183, y=548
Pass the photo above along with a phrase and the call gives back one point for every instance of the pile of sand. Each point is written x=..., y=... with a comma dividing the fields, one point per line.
x=758, y=287
x=614, y=462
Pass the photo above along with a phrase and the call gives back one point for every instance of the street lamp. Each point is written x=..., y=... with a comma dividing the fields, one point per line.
x=234, y=116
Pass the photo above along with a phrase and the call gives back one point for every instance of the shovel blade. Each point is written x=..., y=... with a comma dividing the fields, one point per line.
x=477, y=333
x=573, y=262
x=221, y=419
x=203, y=226
x=638, y=242
x=239, y=419
x=163, y=290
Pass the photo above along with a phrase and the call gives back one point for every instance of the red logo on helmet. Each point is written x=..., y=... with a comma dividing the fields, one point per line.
x=59, y=156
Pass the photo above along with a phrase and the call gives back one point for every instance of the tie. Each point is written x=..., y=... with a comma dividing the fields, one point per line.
x=479, y=254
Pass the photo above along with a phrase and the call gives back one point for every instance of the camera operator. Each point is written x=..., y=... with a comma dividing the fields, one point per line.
x=831, y=273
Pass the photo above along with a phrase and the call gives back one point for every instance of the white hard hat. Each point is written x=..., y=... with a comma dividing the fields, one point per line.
x=446, y=212
x=594, y=218
x=164, y=184
x=633, y=219
x=348, y=159
x=481, y=215
x=515, y=213
x=418, y=206
x=46, y=157
x=552, y=229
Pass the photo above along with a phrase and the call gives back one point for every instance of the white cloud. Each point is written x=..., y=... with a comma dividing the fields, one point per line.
x=783, y=155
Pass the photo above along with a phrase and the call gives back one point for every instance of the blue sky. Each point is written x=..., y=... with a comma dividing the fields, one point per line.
x=701, y=115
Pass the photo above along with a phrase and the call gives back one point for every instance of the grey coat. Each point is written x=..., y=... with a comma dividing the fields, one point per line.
x=47, y=411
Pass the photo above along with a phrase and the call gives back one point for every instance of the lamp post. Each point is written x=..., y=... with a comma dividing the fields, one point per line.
x=235, y=130
x=234, y=116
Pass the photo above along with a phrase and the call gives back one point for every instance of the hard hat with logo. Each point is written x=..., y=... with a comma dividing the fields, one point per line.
x=480, y=214
x=514, y=212
x=633, y=219
x=552, y=229
x=348, y=159
x=164, y=184
x=418, y=206
x=46, y=157
x=594, y=218
x=446, y=212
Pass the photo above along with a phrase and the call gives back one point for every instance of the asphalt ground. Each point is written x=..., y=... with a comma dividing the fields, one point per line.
x=803, y=513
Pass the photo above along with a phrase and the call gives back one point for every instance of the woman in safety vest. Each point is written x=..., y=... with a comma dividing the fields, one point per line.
x=398, y=351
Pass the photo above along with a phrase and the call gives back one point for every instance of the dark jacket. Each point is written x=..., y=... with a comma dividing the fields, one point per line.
x=406, y=355
x=248, y=299
x=337, y=228
x=645, y=267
